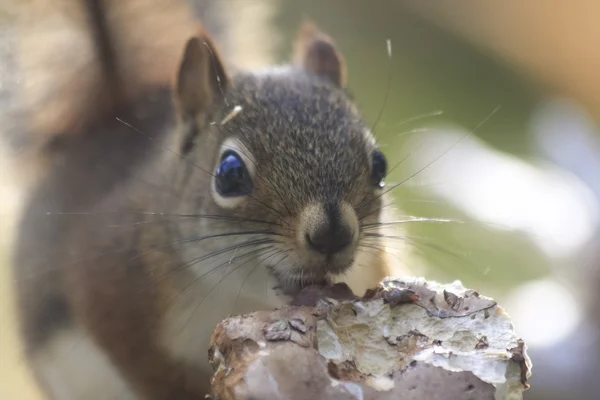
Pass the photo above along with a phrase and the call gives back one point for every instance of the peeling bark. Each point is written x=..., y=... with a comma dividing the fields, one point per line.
x=407, y=338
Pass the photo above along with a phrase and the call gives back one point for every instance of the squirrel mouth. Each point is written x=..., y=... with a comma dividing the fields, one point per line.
x=337, y=268
x=294, y=281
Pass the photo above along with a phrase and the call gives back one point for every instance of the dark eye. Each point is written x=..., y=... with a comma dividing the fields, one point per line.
x=379, y=170
x=232, y=178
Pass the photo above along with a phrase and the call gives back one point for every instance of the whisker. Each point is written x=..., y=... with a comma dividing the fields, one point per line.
x=204, y=275
x=162, y=214
x=201, y=238
x=149, y=249
x=207, y=273
x=444, y=153
x=210, y=255
x=411, y=220
x=449, y=149
x=213, y=269
x=276, y=253
x=360, y=204
x=423, y=201
x=420, y=116
x=137, y=223
x=365, y=244
x=388, y=43
x=478, y=222
x=376, y=210
x=388, y=174
x=210, y=291
x=412, y=132
x=186, y=218
x=163, y=147
x=403, y=201
x=369, y=246
x=427, y=243
x=232, y=258
x=270, y=208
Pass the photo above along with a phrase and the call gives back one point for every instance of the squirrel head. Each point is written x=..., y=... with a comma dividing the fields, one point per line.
x=287, y=151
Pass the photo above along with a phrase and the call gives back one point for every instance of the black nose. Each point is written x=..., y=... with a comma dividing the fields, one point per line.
x=332, y=236
x=328, y=241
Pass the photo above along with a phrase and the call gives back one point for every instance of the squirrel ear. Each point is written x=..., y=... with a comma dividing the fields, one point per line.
x=316, y=52
x=201, y=77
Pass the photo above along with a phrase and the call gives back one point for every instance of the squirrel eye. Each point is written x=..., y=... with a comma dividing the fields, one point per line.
x=379, y=170
x=232, y=178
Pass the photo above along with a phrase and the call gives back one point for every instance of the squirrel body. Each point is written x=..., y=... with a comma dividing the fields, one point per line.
x=217, y=195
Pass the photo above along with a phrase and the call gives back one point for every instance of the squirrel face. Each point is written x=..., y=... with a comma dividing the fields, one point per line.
x=293, y=153
x=298, y=145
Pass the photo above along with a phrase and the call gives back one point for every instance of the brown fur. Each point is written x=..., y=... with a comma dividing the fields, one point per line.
x=117, y=273
x=86, y=59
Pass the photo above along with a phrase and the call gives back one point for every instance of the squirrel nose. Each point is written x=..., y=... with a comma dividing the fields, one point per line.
x=332, y=236
x=329, y=241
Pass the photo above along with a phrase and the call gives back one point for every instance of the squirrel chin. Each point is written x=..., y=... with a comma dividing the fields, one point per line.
x=291, y=284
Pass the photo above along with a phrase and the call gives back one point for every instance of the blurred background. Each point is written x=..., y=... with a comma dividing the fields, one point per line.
x=489, y=110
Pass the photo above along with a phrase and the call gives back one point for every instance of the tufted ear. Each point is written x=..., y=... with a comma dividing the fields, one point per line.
x=201, y=79
x=316, y=52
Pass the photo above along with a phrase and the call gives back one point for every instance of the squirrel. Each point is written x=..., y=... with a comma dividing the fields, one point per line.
x=220, y=193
